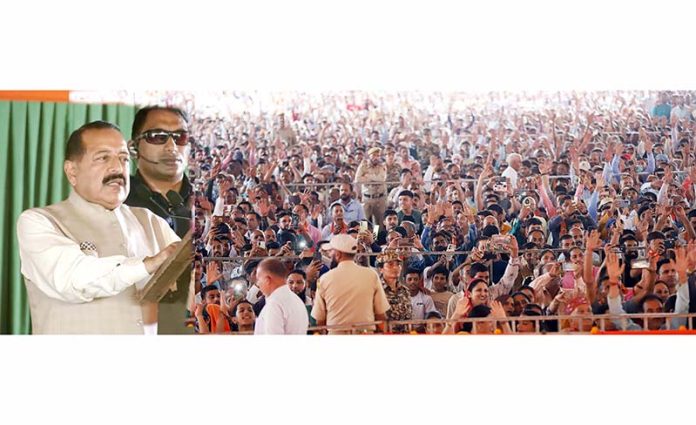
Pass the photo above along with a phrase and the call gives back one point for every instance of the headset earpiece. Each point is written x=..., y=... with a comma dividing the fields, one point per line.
x=133, y=149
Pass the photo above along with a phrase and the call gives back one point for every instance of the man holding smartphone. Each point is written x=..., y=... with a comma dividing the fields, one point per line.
x=304, y=226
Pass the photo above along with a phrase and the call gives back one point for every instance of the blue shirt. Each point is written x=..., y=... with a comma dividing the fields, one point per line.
x=662, y=110
x=352, y=211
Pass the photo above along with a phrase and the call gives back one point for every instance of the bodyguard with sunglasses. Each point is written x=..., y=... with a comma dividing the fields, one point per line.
x=160, y=145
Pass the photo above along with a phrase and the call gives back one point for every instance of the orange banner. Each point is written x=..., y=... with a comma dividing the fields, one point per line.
x=36, y=95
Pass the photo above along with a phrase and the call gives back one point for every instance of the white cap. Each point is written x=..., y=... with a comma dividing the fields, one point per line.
x=605, y=201
x=344, y=243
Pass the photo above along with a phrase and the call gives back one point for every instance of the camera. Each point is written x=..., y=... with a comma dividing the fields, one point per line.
x=500, y=186
x=498, y=244
x=528, y=202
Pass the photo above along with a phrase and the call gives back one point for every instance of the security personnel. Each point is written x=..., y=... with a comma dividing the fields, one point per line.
x=160, y=145
x=374, y=195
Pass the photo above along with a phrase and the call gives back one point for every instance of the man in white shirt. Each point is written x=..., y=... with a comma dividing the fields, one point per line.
x=514, y=161
x=82, y=258
x=406, y=177
x=679, y=111
x=421, y=304
x=284, y=312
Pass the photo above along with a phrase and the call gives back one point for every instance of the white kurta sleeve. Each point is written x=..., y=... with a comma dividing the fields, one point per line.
x=62, y=271
x=219, y=206
x=682, y=305
x=507, y=281
x=615, y=308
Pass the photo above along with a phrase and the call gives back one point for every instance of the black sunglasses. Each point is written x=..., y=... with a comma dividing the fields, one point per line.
x=160, y=137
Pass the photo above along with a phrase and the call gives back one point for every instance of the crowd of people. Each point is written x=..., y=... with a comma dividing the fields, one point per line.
x=418, y=212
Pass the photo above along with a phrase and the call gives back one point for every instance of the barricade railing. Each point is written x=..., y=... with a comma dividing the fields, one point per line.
x=433, y=181
x=372, y=182
x=599, y=324
x=323, y=187
x=402, y=252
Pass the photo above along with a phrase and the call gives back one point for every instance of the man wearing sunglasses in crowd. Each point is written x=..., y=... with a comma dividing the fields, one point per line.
x=160, y=147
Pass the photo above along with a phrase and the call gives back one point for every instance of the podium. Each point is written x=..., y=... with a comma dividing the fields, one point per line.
x=166, y=276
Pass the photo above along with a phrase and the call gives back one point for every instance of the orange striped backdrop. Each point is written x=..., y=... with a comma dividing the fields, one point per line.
x=36, y=95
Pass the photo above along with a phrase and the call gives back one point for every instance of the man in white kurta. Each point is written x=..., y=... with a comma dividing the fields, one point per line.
x=82, y=258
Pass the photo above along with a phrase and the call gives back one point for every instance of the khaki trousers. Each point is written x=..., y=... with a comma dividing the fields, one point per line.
x=374, y=209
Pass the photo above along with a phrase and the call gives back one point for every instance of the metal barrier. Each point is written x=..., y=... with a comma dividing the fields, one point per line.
x=404, y=253
x=323, y=187
x=462, y=180
x=435, y=326
x=599, y=324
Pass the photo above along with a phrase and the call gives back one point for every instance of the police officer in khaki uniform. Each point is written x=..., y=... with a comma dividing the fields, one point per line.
x=349, y=293
x=374, y=196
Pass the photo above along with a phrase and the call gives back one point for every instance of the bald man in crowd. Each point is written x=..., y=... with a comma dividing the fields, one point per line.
x=284, y=312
